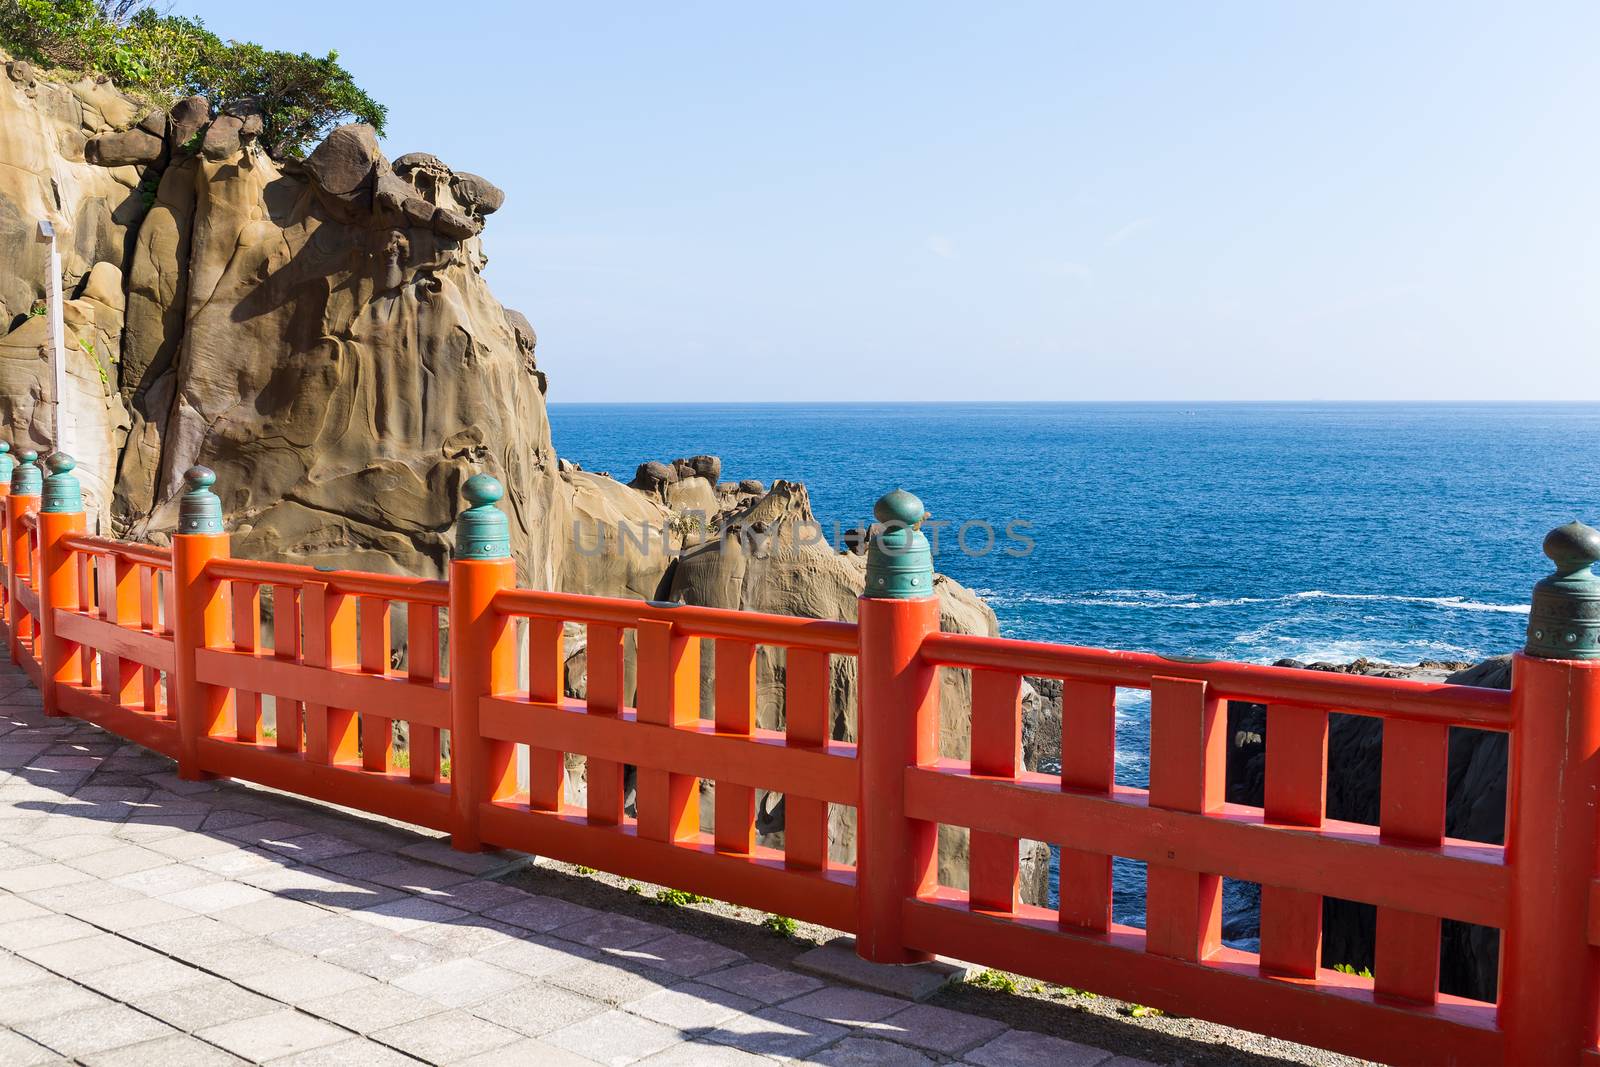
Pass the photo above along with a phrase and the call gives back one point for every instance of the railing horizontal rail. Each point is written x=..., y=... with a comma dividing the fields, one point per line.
x=760, y=880
x=390, y=696
x=1453, y=705
x=153, y=731
x=140, y=646
x=352, y=583
x=1460, y=880
x=823, y=635
x=1333, y=1011
x=761, y=759
x=144, y=555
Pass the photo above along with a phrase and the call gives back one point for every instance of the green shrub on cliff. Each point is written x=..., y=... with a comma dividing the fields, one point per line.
x=143, y=50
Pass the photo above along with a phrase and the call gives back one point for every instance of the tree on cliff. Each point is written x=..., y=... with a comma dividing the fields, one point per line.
x=301, y=96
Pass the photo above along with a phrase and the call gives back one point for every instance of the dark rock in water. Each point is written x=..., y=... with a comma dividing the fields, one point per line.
x=752, y=485
x=1475, y=808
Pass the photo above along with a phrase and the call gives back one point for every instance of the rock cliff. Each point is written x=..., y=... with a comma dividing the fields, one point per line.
x=320, y=334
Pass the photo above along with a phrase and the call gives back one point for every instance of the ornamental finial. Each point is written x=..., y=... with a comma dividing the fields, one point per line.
x=62, y=494
x=27, y=479
x=482, y=532
x=899, y=562
x=1564, y=622
x=199, y=509
x=7, y=463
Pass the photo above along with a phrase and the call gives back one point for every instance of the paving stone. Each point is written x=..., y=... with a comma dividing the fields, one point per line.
x=530, y=1051
x=373, y=1007
x=319, y=935
x=268, y=1037
x=270, y=915
x=255, y=833
x=474, y=863
x=691, y=1007
x=211, y=1002
x=844, y=1005
x=414, y=877
x=614, y=1038
x=15, y=908
x=32, y=933
x=73, y=847
x=681, y=954
x=534, y=1009
x=479, y=896
x=309, y=848
x=1023, y=1048
x=70, y=898
x=937, y=1029
x=698, y=1052
x=314, y=887
x=178, y=1051
x=346, y=1054
x=113, y=862
x=126, y=915
x=387, y=957
x=534, y=956
x=187, y=847
x=178, y=935
x=237, y=861
x=610, y=983
x=41, y=876
x=459, y=983
x=239, y=959
x=869, y=1052
x=362, y=864
x=304, y=980
x=154, y=975
x=447, y=1038
x=540, y=914
x=94, y=953
x=76, y=1033
x=760, y=982
x=467, y=937
x=838, y=961
x=775, y=1032
x=164, y=881
x=407, y=913
x=19, y=1051
x=606, y=931
x=15, y=971
x=217, y=896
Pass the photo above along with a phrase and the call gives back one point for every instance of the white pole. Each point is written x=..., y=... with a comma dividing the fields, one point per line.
x=58, y=345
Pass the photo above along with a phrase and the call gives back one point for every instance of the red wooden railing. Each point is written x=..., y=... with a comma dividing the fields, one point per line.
x=165, y=647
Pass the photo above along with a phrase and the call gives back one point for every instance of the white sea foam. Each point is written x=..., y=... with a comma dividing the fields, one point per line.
x=1159, y=600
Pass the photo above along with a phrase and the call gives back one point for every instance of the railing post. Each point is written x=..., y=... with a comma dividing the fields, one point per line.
x=1550, y=969
x=23, y=499
x=7, y=464
x=199, y=618
x=897, y=726
x=482, y=658
x=60, y=514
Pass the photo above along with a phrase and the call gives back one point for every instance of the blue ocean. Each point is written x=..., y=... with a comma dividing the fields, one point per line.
x=1251, y=532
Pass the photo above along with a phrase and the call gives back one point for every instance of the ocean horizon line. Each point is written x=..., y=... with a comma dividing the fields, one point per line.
x=1508, y=404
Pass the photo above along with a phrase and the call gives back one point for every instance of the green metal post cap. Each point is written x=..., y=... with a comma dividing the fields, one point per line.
x=27, y=479
x=899, y=561
x=1564, y=622
x=62, y=494
x=199, y=509
x=7, y=462
x=482, y=531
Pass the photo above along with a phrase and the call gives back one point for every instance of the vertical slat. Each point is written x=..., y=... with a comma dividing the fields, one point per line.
x=149, y=621
x=668, y=695
x=247, y=638
x=1088, y=763
x=377, y=732
x=807, y=704
x=86, y=598
x=1188, y=753
x=605, y=689
x=1411, y=810
x=1296, y=795
x=422, y=665
x=547, y=684
x=330, y=641
x=289, y=714
x=734, y=818
x=996, y=752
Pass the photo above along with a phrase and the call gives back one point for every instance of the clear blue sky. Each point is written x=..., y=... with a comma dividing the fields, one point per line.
x=1056, y=201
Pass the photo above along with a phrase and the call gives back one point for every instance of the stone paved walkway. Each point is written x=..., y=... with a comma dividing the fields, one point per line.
x=149, y=920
